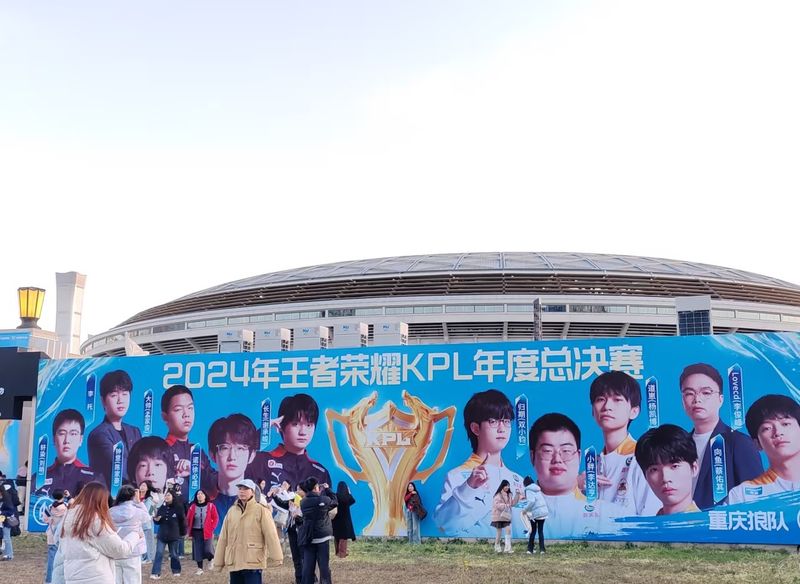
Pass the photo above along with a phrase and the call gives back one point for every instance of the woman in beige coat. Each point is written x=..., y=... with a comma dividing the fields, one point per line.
x=248, y=542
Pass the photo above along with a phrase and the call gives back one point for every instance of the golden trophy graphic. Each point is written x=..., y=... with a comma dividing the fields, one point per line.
x=389, y=446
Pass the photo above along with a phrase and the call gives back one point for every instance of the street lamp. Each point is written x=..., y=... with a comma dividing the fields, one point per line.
x=30, y=306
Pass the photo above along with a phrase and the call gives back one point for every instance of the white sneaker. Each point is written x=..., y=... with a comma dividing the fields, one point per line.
x=529, y=552
x=155, y=577
x=178, y=575
x=497, y=548
x=199, y=572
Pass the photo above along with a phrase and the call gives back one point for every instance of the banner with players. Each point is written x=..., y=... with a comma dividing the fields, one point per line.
x=685, y=439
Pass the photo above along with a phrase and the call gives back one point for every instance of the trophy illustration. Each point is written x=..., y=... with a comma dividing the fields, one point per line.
x=389, y=446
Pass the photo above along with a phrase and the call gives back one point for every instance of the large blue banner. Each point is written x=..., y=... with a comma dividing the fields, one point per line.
x=652, y=417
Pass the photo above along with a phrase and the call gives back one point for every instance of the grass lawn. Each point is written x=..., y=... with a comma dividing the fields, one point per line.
x=387, y=562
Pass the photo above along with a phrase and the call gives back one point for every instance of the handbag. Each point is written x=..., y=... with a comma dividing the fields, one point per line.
x=11, y=521
x=422, y=513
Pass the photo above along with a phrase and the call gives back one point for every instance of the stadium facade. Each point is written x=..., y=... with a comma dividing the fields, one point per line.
x=463, y=298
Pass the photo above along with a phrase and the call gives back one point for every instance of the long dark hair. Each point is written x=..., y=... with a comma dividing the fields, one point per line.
x=125, y=493
x=196, y=502
x=341, y=489
x=503, y=484
x=150, y=489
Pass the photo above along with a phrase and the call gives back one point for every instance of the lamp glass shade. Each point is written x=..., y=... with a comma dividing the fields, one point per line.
x=31, y=301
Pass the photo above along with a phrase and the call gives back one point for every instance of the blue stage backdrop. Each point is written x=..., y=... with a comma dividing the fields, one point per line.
x=691, y=439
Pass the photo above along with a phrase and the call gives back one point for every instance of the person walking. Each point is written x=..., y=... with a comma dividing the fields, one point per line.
x=151, y=499
x=537, y=511
x=343, y=522
x=295, y=519
x=248, y=541
x=202, y=519
x=316, y=532
x=171, y=523
x=502, y=504
x=89, y=542
x=130, y=516
x=415, y=513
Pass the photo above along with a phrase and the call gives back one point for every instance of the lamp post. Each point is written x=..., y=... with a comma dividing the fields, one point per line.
x=31, y=300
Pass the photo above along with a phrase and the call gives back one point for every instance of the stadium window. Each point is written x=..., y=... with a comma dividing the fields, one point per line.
x=311, y=314
x=665, y=310
x=262, y=317
x=337, y=312
x=719, y=313
x=238, y=319
x=553, y=308
x=168, y=328
x=460, y=308
x=769, y=316
x=368, y=311
x=747, y=314
x=489, y=308
x=790, y=318
x=643, y=310
x=525, y=308
x=427, y=309
x=217, y=322
x=287, y=316
x=399, y=310
x=196, y=324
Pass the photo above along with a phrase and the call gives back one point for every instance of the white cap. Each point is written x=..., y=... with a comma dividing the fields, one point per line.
x=247, y=484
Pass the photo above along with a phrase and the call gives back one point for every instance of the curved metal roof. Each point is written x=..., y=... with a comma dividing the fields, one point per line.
x=517, y=262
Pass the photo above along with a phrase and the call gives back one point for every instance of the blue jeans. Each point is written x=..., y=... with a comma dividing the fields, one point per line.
x=412, y=524
x=174, y=561
x=9, y=553
x=51, y=556
x=150, y=539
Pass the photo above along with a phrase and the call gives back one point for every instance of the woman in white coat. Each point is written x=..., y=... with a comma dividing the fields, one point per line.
x=130, y=516
x=89, y=543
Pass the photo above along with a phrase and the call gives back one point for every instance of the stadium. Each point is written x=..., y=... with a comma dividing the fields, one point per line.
x=464, y=298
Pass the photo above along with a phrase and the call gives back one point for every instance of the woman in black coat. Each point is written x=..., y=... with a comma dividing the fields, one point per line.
x=343, y=522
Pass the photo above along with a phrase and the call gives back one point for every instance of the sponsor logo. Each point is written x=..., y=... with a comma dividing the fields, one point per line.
x=274, y=464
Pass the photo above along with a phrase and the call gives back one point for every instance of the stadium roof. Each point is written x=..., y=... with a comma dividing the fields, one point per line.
x=486, y=273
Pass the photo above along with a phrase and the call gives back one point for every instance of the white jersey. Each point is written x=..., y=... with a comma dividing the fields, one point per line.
x=466, y=512
x=628, y=488
x=571, y=516
x=764, y=485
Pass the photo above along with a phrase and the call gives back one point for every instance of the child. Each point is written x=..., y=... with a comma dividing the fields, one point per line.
x=669, y=458
x=54, y=518
x=502, y=504
x=465, y=506
x=296, y=421
x=616, y=400
x=773, y=421
x=537, y=511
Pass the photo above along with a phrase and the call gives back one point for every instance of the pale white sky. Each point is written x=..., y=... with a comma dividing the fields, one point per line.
x=164, y=147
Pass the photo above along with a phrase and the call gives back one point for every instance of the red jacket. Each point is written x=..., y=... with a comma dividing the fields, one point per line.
x=210, y=524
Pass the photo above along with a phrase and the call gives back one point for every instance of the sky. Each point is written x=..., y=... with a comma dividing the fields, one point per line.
x=161, y=148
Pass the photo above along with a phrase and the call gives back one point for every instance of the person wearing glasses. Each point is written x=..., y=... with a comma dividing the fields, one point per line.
x=67, y=472
x=233, y=443
x=701, y=392
x=465, y=505
x=555, y=449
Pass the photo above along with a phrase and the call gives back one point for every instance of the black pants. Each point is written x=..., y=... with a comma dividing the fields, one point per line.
x=536, y=525
x=317, y=554
x=297, y=554
x=245, y=577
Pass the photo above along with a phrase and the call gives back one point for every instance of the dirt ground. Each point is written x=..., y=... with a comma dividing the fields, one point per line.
x=389, y=562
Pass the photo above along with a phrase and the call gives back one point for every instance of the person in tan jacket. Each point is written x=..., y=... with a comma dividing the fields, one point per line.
x=248, y=542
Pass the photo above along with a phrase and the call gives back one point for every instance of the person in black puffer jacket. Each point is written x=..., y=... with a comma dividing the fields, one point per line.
x=316, y=532
x=171, y=521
